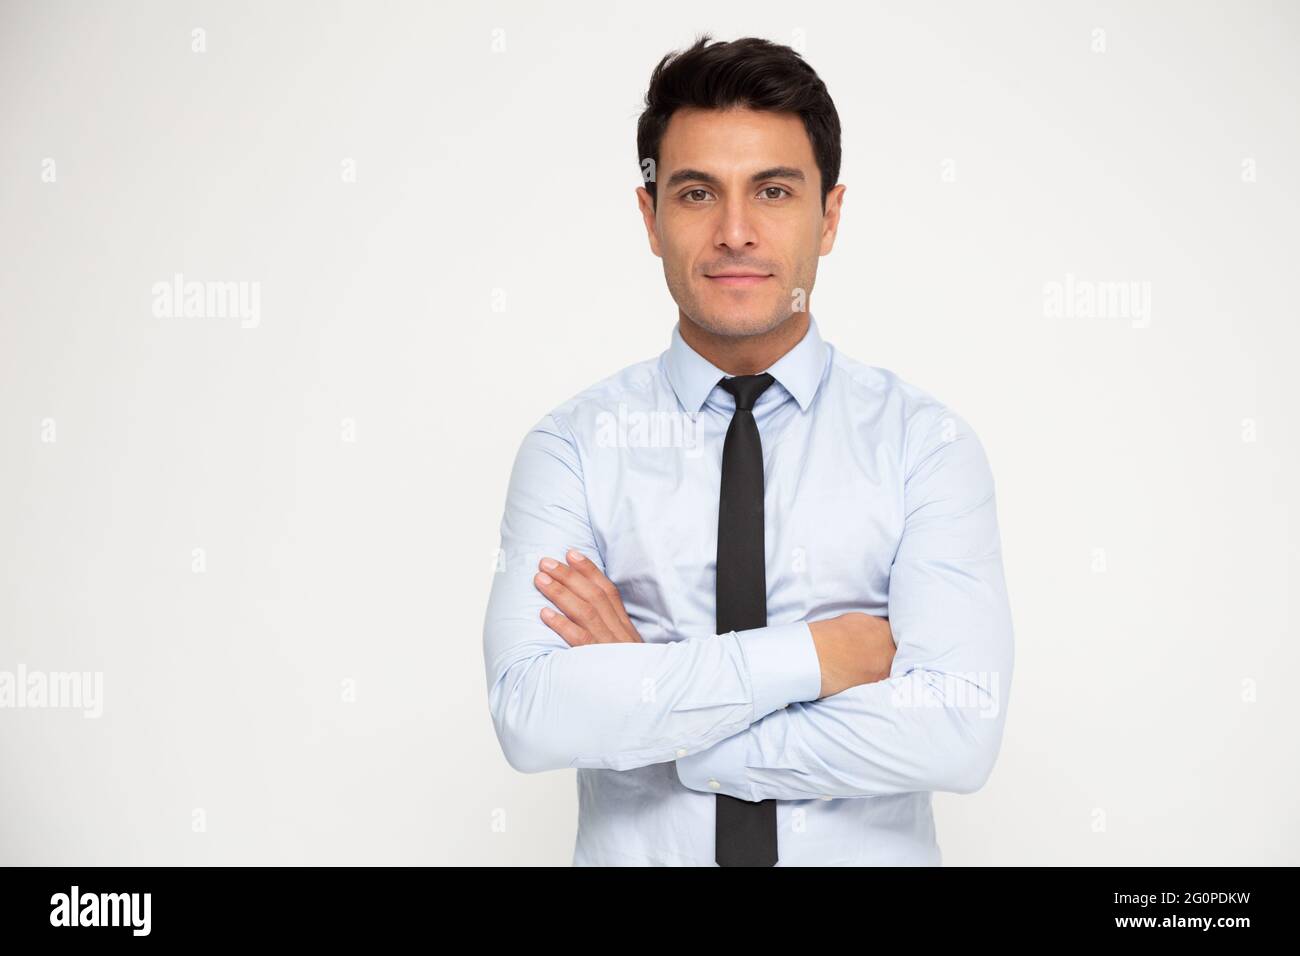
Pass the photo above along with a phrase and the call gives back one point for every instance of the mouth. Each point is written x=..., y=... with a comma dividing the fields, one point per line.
x=738, y=279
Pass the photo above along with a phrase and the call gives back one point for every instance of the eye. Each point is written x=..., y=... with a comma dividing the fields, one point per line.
x=686, y=196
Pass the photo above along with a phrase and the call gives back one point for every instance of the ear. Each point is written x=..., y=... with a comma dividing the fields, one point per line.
x=646, y=203
x=831, y=218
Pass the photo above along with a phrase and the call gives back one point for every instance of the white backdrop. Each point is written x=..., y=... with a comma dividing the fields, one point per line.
x=272, y=531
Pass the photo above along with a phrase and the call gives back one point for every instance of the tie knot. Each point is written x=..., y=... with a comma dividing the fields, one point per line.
x=747, y=388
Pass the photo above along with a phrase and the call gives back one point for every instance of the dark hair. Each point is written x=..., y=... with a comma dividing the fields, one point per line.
x=749, y=72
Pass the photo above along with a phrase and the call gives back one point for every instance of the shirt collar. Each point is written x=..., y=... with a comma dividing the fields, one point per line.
x=799, y=371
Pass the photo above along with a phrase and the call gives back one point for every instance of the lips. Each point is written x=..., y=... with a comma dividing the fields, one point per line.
x=739, y=280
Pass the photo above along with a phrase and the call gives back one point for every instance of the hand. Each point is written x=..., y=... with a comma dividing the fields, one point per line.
x=853, y=649
x=592, y=608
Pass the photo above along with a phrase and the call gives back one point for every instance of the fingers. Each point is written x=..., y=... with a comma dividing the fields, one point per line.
x=561, y=625
x=556, y=583
x=583, y=593
x=585, y=601
x=581, y=564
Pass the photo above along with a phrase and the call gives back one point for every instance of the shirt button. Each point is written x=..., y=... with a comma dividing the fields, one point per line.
x=681, y=751
x=825, y=798
x=714, y=785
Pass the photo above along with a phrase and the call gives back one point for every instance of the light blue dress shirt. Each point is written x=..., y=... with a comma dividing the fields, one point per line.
x=878, y=498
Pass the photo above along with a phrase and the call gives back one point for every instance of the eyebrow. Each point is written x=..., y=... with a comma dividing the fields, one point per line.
x=698, y=175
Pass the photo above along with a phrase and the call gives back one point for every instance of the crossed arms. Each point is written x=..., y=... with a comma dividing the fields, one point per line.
x=777, y=712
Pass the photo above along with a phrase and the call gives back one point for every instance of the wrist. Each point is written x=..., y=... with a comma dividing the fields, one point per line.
x=827, y=639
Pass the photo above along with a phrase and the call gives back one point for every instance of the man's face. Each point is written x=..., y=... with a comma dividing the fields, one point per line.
x=739, y=192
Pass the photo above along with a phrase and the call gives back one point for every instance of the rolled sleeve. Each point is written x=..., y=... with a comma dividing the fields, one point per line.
x=783, y=665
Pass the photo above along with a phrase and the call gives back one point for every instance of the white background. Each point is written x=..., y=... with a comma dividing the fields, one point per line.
x=487, y=263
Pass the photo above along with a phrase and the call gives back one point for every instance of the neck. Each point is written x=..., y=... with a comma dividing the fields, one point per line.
x=745, y=354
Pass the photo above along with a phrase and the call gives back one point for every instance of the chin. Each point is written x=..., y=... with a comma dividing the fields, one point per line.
x=747, y=322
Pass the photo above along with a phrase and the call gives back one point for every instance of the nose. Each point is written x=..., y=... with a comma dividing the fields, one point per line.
x=735, y=225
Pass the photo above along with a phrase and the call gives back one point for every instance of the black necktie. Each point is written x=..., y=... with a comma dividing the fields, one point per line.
x=746, y=831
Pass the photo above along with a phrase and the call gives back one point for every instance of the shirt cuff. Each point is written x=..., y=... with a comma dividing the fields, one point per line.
x=722, y=768
x=783, y=665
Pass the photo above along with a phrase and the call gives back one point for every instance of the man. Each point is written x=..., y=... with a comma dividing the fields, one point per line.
x=751, y=588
